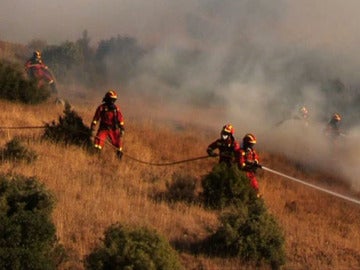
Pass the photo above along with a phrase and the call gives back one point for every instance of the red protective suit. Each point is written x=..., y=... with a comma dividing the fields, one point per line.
x=247, y=162
x=36, y=69
x=111, y=125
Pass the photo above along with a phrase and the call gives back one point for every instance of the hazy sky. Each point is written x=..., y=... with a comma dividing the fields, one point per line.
x=332, y=23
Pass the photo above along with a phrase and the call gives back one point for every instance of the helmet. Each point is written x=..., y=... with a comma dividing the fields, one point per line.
x=336, y=117
x=37, y=54
x=303, y=111
x=226, y=131
x=111, y=94
x=228, y=128
x=249, y=139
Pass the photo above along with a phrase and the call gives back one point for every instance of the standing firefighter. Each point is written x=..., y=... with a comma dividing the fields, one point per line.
x=227, y=145
x=111, y=123
x=37, y=70
x=332, y=129
x=249, y=160
x=303, y=115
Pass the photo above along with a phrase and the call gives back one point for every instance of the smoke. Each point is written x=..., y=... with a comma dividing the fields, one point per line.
x=251, y=62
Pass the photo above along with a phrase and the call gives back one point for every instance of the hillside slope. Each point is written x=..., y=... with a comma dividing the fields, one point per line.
x=322, y=232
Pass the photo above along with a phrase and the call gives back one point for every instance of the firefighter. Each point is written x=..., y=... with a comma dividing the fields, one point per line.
x=304, y=115
x=249, y=160
x=301, y=114
x=332, y=129
x=227, y=146
x=37, y=70
x=111, y=125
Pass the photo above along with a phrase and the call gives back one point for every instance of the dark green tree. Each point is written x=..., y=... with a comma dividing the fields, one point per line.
x=117, y=59
x=136, y=249
x=27, y=234
x=225, y=186
x=15, y=86
x=70, y=129
x=247, y=230
x=15, y=151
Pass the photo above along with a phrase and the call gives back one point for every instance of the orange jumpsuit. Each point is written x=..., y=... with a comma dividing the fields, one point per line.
x=111, y=125
x=247, y=162
x=38, y=70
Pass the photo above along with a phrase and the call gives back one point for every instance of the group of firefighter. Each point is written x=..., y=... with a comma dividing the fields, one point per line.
x=332, y=128
x=110, y=121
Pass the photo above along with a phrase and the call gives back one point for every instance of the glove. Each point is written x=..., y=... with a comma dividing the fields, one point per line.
x=211, y=153
x=251, y=166
x=256, y=164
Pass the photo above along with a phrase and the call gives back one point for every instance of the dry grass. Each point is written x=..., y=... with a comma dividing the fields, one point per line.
x=92, y=192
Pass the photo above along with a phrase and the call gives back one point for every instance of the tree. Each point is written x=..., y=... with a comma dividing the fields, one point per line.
x=136, y=249
x=27, y=234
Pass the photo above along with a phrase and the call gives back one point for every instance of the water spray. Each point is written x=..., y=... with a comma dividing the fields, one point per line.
x=313, y=186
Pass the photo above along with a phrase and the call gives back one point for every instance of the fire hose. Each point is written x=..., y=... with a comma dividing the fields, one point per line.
x=312, y=186
x=347, y=198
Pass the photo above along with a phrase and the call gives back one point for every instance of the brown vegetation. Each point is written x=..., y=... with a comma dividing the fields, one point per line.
x=92, y=192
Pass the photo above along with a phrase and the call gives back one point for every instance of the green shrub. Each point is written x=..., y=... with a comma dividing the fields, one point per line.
x=15, y=86
x=69, y=130
x=14, y=151
x=250, y=233
x=27, y=235
x=135, y=249
x=247, y=231
x=182, y=188
x=225, y=186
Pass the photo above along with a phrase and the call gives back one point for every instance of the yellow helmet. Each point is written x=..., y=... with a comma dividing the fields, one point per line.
x=249, y=139
x=303, y=110
x=37, y=54
x=111, y=94
x=336, y=117
x=228, y=128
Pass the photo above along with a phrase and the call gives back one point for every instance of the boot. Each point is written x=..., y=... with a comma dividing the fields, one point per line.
x=119, y=154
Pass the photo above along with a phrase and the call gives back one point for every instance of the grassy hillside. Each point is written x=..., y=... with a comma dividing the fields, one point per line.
x=322, y=232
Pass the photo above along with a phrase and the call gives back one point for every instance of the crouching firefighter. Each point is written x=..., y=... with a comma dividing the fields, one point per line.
x=249, y=160
x=227, y=146
x=111, y=124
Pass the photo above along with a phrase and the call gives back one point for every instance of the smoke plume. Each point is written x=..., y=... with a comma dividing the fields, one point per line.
x=253, y=63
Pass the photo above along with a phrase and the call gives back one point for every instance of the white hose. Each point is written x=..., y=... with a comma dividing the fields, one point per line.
x=313, y=186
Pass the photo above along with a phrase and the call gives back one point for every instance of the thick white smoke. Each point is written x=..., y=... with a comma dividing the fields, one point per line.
x=253, y=62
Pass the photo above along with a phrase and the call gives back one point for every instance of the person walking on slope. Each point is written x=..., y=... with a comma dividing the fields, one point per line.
x=249, y=160
x=227, y=146
x=37, y=70
x=111, y=124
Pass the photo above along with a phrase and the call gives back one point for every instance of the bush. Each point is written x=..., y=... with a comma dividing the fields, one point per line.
x=247, y=231
x=136, y=249
x=69, y=130
x=251, y=234
x=14, y=151
x=182, y=188
x=225, y=186
x=27, y=235
x=15, y=86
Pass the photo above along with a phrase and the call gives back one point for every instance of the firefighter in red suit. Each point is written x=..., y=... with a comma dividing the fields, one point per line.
x=36, y=69
x=227, y=146
x=111, y=124
x=249, y=160
x=332, y=129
